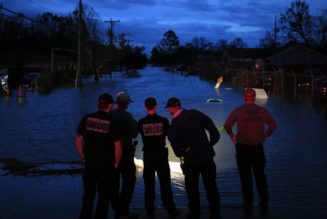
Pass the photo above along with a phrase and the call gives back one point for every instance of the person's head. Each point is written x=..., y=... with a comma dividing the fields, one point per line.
x=105, y=102
x=123, y=99
x=173, y=105
x=150, y=105
x=249, y=95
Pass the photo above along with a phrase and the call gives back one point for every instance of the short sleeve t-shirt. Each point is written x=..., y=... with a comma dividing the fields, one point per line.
x=153, y=129
x=99, y=134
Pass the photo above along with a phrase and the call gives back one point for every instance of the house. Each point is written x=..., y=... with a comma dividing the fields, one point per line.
x=42, y=61
x=298, y=57
x=274, y=69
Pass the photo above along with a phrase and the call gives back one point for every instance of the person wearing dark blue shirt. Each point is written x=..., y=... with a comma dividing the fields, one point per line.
x=126, y=174
x=154, y=129
x=99, y=146
x=188, y=137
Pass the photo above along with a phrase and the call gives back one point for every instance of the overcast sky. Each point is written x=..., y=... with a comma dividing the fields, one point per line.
x=148, y=20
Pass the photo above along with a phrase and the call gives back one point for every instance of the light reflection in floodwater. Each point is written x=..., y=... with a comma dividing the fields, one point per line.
x=42, y=129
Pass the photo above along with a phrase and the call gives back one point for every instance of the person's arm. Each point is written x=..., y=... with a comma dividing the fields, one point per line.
x=271, y=124
x=212, y=129
x=166, y=126
x=139, y=127
x=118, y=153
x=133, y=126
x=175, y=141
x=229, y=124
x=79, y=142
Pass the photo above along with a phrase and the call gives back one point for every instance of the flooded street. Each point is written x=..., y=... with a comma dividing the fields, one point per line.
x=42, y=129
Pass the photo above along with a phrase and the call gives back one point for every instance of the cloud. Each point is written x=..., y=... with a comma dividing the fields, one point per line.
x=148, y=20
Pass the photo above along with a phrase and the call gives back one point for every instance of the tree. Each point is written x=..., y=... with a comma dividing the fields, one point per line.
x=221, y=45
x=237, y=43
x=268, y=41
x=320, y=28
x=296, y=23
x=169, y=43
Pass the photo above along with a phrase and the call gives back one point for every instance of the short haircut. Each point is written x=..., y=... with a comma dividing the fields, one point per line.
x=150, y=103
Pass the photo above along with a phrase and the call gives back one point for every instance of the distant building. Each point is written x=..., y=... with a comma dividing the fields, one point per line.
x=28, y=61
x=298, y=57
x=274, y=69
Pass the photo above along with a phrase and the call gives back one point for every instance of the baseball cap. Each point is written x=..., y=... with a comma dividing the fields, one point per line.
x=123, y=97
x=105, y=99
x=150, y=103
x=172, y=102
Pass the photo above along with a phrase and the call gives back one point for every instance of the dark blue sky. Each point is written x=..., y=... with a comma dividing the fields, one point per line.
x=148, y=20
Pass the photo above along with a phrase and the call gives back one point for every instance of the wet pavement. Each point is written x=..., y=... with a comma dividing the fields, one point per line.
x=234, y=212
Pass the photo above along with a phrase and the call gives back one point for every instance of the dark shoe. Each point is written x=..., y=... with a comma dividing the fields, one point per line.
x=263, y=205
x=174, y=212
x=247, y=206
x=130, y=216
x=214, y=214
x=117, y=216
x=149, y=215
x=192, y=216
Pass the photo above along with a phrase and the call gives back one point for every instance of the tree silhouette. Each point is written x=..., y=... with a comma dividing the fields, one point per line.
x=169, y=43
x=296, y=23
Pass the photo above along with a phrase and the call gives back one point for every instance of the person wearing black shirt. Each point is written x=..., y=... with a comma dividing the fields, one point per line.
x=127, y=128
x=189, y=140
x=99, y=147
x=153, y=129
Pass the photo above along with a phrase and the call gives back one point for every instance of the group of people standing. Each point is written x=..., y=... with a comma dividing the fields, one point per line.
x=105, y=143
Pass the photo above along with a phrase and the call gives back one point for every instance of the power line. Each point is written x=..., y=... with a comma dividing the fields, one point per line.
x=38, y=4
x=16, y=13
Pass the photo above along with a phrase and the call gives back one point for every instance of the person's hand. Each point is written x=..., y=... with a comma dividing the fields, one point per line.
x=266, y=136
x=187, y=149
x=234, y=139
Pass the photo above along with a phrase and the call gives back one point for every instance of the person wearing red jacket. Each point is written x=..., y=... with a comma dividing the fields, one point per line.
x=254, y=125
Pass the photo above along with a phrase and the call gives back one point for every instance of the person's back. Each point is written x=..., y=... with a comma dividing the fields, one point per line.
x=251, y=133
x=127, y=128
x=153, y=129
x=194, y=125
x=95, y=126
x=251, y=120
x=189, y=140
x=99, y=146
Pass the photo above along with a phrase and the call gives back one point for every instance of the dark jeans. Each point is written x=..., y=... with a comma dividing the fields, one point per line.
x=157, y=162
x=98, y=180
x=124, y=193
x=192, y=174
x=252, y=158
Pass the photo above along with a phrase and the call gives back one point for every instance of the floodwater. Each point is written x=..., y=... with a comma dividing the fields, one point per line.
x=42, y=128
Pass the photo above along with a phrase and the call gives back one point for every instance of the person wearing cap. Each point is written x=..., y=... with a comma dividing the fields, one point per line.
x=189, y=140
x=127, y=127
x=254, y=125
x=99, y=146
x=154, y=129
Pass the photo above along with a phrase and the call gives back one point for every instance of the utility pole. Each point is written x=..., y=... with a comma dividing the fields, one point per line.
x=122, y=39
x=275, y=33
x=111, y=31
x=79, y=46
